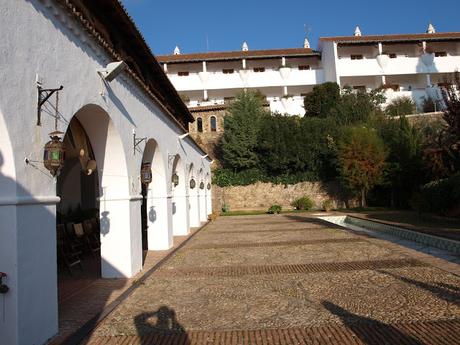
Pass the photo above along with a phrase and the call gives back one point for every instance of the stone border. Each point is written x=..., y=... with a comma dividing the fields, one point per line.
x=419, y=237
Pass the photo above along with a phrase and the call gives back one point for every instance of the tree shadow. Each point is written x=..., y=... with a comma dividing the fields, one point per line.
x=441, y=290
x=370, y=331
x=161, y=324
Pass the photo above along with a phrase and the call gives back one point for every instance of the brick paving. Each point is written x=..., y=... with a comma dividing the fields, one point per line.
x=83, y=298
x=243, y=280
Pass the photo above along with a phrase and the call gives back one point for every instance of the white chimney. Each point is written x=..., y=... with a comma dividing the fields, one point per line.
x=357, y=32
x=176, y=51
x=431, y=29
x=245, y=47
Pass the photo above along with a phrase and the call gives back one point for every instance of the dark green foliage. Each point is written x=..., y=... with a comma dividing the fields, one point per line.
x=226, y=177
x=280, y=142
x=400, y=106
x=442, y=149
x=274, y=209
x=357, y=107
x=428, y=105
x=303, y=203
x=441, y=195
x=404, y=170
x=361, y=156
x=321, y=100
x=242, y=126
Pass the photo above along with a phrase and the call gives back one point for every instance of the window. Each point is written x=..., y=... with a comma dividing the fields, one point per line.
x=440, y=54
x=213, y=122
x=356, y=57
x=228, y=71
x=199, y=125
x=228, y=99
x=392, y=56
x=304, y=67
x=182, y=73
x=259, y=69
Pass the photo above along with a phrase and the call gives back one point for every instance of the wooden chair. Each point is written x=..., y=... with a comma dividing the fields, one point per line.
x=66, y=254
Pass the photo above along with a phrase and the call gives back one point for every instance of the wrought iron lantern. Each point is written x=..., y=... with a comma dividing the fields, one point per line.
x=208, y=186
x=175, y=179
x=201, y=185
x=146, y=173
x=54, y=153
x=192, y=183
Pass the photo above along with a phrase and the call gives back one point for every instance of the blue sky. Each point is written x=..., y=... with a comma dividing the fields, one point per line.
x=201, y=25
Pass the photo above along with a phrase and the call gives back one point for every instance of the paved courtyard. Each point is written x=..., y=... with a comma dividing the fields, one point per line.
x=288, y=279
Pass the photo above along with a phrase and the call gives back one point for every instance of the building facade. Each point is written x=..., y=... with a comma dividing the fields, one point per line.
x=404, y=65
x=121, y=121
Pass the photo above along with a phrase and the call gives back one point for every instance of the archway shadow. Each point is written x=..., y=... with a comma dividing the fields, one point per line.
x=161, y=323
x=370, y=331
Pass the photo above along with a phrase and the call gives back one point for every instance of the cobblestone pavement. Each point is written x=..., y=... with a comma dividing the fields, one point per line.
x=288, y=280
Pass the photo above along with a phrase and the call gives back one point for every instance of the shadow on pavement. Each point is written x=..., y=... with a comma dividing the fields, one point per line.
x=161, y=326
x=370, y=331
x=441, y=290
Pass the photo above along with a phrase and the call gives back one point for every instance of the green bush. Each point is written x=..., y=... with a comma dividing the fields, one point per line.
x=327, y=205
x=441, y=195
x=227, y=177
x=401, y=106
x=274, y=209
x=225, y=208
x=303, y=203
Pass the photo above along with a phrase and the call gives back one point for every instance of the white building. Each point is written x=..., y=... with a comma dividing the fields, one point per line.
x=405, y=65
x=114, y=120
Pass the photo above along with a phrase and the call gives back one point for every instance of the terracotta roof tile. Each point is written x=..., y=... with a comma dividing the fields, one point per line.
x=237, y=55
x=393, y=38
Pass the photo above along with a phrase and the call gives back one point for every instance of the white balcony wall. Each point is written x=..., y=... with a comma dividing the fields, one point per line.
x=400, y=65
x=186, y=83
x=269, y=78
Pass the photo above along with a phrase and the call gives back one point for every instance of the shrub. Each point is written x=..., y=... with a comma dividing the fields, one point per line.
x=274, y=209
x=428, y=105
x=225, y=208
x=303, y=203
x=441, y=195
x=213, y=216
x=327, y=205
x=400, y=106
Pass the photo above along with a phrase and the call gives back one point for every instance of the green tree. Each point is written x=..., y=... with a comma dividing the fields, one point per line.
x=320, y=101
x=356, y=107
x=442, y=147
x=405, y=171
x=242, y=126
x=279, y=145
x=361, y=158
x=400, y=106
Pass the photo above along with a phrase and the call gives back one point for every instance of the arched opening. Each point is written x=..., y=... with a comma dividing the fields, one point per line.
x=179, y=202
x=77, y=214
x=199, y=125
x=213, y=123
x=98, y=200
x=158, y=234
x=193, y=182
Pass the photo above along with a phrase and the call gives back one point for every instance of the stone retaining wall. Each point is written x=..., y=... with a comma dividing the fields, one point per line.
x=260, y=196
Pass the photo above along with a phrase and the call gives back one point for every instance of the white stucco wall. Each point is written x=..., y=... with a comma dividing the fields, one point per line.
x=38, y=37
